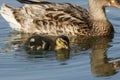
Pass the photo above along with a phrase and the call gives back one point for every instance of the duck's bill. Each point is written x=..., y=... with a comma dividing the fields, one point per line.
x=115, y=3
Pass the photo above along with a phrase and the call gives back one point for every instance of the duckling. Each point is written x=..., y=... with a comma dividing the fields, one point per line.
x=37, y=43
x=60, y=18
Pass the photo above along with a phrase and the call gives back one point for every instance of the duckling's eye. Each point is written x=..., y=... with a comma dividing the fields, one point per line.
x=65, y=43
x=62, y=41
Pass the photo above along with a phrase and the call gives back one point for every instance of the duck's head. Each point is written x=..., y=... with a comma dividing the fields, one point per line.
x=105, y=3
x=62, y=42
x=114, y=3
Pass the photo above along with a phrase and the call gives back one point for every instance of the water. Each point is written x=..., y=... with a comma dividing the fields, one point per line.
x=89, y=58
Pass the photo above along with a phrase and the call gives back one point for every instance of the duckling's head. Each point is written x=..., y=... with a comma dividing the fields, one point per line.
x=62, y=42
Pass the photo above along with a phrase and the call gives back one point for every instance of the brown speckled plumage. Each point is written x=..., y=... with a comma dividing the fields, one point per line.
x=62, y=18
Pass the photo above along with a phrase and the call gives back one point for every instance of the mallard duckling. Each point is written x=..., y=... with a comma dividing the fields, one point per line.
x=37, y=43
x=60, y=18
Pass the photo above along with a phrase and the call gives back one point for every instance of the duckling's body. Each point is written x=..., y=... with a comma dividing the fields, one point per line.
x=61, y=18
x=37, y=43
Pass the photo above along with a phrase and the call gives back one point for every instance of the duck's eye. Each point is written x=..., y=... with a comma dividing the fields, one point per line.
x=118, y=1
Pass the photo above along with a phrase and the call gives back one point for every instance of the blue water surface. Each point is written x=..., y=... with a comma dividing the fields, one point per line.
x=89, y=59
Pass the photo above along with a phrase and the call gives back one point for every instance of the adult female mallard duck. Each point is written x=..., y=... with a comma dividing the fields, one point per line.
x=37, y=43
x=60, y=18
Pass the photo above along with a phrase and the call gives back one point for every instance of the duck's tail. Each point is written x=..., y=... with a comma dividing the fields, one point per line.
x=7, y=12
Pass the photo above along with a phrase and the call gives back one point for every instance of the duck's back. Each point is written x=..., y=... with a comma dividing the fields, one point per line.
x=52, y=18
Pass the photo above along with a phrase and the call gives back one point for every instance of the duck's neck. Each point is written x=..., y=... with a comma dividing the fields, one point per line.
x=98, y=18
x=97, y=11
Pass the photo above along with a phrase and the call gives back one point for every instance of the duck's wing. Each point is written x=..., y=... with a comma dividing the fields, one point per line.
x=59, y=12
x=47, y=17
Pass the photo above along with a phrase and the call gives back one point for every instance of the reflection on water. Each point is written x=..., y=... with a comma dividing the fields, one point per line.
x=63, y=54
x=101, y=65
x=16, y=43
